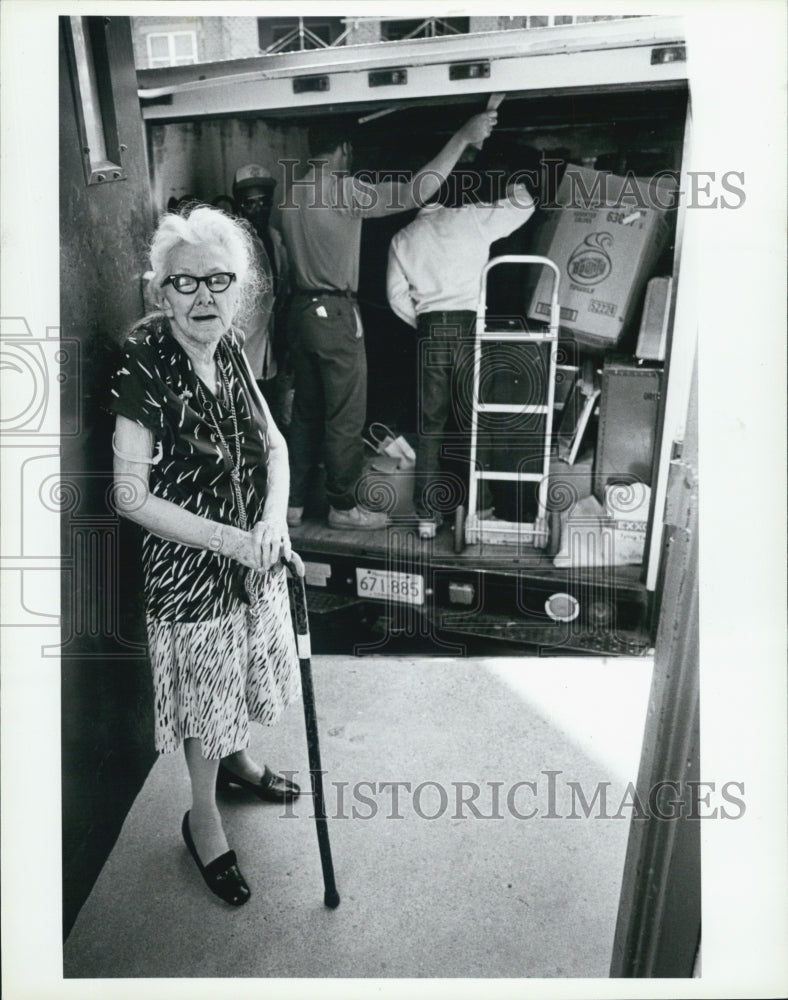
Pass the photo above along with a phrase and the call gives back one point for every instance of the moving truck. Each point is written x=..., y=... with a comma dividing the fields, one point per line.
x=605, y=99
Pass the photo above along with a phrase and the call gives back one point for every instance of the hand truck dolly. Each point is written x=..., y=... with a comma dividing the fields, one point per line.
x=469, y=527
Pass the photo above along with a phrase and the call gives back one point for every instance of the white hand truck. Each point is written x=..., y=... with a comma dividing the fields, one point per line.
x=470, y=528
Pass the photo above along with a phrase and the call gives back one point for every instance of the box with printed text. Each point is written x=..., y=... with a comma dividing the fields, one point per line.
x=606, y=235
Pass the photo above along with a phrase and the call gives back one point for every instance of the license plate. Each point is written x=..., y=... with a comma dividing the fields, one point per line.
x=385, y=585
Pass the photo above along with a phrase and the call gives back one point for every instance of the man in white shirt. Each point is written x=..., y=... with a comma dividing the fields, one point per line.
x=433, y=284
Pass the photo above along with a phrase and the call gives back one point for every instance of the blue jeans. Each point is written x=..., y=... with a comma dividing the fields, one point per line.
x=446, y=341
x=330, y=401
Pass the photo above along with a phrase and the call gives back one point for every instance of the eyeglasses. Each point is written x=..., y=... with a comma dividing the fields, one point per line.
x=187, y=284
x=257, y=201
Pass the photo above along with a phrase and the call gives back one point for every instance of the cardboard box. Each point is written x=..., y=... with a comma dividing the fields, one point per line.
x=606, y=236
x=613, y=534
x=654, y=323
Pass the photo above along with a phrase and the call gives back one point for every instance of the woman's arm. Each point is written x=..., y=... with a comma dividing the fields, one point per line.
x=271, y=531
x=133, y=446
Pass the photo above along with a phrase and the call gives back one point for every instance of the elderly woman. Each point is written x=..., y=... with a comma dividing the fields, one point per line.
x=203, y=469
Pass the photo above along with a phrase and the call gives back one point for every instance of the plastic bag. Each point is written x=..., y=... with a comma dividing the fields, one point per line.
x=383, y=441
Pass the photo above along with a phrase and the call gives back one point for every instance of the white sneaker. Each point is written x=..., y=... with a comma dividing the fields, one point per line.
x=357, y=518
x=294, y=515
x=428, y=526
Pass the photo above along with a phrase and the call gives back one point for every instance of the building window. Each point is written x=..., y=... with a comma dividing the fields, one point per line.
x=294, y=34
x=431, y=27
x=92, y=85
x=286, y=38
x=172, y=48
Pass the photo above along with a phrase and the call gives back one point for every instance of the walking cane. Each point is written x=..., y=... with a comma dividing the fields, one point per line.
x=301, y=625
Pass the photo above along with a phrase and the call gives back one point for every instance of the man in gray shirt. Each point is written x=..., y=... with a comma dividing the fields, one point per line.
x=321, y=224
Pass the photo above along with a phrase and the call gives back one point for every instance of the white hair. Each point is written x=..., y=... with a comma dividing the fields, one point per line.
x=206, y=226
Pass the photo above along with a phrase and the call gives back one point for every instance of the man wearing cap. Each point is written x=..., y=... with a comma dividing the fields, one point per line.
x=321, y=223
x=265, y=346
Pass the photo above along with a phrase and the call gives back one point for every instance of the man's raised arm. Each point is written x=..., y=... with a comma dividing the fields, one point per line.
x=427, y=181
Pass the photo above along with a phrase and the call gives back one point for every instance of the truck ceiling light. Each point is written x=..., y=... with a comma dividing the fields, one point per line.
x=469, y=71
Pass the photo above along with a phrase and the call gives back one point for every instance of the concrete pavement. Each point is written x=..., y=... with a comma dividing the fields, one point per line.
x=441, y=883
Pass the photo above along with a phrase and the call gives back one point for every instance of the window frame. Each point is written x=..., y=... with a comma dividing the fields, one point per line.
x=154, y=62
x=96, y=62
x=388, y=24
x=314, y=25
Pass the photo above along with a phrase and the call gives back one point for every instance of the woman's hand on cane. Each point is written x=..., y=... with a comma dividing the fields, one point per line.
x=273, y=542
x=241, y=545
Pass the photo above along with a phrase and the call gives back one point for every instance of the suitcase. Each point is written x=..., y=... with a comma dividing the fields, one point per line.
x=628, y=414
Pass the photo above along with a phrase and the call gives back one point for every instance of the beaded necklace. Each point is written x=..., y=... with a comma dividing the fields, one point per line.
x=235, y=463
x=253, y=580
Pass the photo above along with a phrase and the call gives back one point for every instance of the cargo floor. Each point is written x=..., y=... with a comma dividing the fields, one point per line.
x=487, y=598
x=314, y=536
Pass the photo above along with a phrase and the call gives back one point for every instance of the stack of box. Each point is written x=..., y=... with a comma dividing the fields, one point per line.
x=606, y=236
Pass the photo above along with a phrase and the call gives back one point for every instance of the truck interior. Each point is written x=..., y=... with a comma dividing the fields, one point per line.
x=621, y=130
x=487, y=590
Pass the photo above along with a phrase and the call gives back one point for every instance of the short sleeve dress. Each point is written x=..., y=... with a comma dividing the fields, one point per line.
x=220, y=636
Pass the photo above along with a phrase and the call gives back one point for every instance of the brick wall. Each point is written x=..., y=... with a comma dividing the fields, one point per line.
x=212, y=38
x=237, y=37
x=217, y=37
x=241, y=39
x=362, y=32
x=229, y=37
x=500, y=23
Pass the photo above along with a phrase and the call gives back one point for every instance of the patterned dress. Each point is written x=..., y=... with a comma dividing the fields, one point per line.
x=220, y=656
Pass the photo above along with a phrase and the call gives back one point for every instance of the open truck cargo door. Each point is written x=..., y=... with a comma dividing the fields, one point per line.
x=611, y=98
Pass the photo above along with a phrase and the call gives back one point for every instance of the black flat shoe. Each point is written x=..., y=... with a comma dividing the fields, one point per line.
x=222, y=875
x=271, y=787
